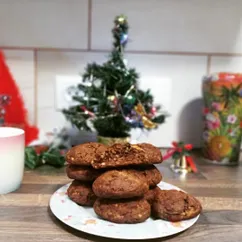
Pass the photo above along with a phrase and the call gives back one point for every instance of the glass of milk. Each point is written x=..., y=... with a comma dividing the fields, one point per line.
x=12, y=143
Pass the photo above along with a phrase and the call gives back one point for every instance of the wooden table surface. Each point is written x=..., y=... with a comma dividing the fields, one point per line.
x=26, y=217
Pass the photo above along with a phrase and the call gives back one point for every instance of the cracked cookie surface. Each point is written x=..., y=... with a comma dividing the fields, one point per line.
x=119, y=155
x=123, y=211
x=84, y=154
x=174, y=206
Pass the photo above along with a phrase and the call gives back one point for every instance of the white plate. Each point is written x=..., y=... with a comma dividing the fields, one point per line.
x=85, y=219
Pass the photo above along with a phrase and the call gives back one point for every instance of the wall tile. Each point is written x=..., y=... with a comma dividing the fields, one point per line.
x=226, y=64
x=48, y=119
x=51, y=64
x=21, y=66
x=172, y=25
x=55, y=23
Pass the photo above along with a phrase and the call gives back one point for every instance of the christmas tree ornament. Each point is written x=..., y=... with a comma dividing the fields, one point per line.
x=130, y=99
x=147, y=123
x=111, y=98
x=86, y=111
x=153, y=110
x=182, y=159
x=121, y=19
x=124, y=39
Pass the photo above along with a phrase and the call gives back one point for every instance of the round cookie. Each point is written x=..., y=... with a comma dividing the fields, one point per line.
x=117, y=184
x=174, y=206
x=152, y=175
x=84, y=154
x=81, y=193
x=82, y=173
x=123, y=211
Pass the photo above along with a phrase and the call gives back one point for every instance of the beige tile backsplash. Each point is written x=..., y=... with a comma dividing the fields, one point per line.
x=171, y=42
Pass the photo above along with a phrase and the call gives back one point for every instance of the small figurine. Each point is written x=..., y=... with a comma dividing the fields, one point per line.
x=182, y=160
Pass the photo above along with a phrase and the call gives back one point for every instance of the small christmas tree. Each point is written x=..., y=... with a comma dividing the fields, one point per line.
x=109, y=98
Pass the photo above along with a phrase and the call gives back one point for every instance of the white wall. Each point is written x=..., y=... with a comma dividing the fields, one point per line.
x=175, y=40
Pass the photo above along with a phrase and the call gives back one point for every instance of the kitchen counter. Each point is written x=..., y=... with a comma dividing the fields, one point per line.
x=26, y=217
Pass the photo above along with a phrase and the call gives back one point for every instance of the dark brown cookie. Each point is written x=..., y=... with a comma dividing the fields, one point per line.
x=123, y=211
x=82, y=173
x=81, y=193
x=150, y=195
x=152, y=174
x=84, y=154
x=117, y=184
x=173, y=205
x=119, y=155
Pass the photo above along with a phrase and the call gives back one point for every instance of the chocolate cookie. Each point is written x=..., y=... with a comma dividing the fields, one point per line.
x=150, y=195
x=117, y=184
x=82, y=173
x=119, y=155
x=173, y=205
x=81, y=193
x=84, y=154
x=122, y=211
x=152, y=174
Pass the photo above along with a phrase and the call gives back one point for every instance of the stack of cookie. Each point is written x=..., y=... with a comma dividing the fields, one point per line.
x=79, y=168
x=120, y=181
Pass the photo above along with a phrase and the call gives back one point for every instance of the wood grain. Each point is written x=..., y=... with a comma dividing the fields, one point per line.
x=26, y=217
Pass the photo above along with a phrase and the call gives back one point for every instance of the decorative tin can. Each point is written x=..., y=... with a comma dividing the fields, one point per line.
x=222, y=112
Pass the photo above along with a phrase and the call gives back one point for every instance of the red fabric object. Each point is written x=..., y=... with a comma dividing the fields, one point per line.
x=188, y=147
x=174, y=143
x=191, y=163
x=16, y=114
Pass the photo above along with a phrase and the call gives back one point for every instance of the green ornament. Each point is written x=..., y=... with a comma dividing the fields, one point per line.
x=130, y=99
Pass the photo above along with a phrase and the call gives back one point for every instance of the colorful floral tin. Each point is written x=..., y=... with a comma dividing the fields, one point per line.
x=222, y=114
